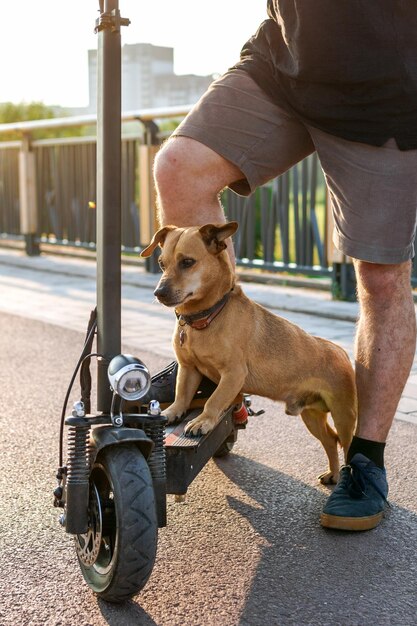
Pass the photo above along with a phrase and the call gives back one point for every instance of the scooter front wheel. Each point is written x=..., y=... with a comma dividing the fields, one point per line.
x=118, y=552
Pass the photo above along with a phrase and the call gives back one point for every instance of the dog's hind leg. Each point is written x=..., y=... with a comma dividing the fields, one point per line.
x=316, y=422
x=344, y=419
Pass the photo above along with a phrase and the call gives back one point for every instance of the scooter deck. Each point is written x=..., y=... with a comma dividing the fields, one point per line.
x=175, y=436
x=186, y=456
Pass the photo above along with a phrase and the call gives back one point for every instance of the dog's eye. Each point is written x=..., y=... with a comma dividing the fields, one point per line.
x=161, y=264
x=186, y=263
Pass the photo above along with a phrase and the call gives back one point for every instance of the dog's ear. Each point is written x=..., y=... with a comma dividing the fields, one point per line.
x=214, y=235
x=158, y=239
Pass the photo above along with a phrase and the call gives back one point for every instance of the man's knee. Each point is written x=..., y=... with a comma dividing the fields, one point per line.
x=183, y=161
x=382, y=282
x=170, y=163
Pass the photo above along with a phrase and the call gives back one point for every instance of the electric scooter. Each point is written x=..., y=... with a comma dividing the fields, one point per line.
x=122, y=459
x=120, y=465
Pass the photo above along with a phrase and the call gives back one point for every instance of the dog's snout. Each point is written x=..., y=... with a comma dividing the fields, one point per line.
x=162, y=292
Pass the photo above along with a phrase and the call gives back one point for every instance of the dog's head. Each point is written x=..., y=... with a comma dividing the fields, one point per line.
x=194, y=262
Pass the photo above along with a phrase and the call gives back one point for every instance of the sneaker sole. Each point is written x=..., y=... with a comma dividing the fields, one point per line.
x=350, y=523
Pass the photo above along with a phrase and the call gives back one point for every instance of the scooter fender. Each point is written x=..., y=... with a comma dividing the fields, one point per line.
x=105, y=436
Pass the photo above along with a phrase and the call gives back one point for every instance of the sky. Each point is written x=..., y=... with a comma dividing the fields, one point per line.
x=44, y=44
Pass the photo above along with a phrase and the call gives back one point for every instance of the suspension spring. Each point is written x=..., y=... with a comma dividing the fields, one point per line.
x=78, y=453
x=157, y=462
x=155, y=430
x=78, y=471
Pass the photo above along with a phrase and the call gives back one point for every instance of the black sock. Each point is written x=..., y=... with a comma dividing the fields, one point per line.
x=374, y=450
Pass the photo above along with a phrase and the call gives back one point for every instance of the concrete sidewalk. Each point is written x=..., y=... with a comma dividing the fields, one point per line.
x=61, y=290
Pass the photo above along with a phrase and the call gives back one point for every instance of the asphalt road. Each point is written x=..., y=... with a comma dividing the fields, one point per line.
x=245, y=549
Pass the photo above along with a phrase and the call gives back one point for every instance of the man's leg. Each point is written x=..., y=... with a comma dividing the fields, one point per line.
x=385, y=347
x=189, y=177
x=374, y=200
x=234, y=137
x=385, y=344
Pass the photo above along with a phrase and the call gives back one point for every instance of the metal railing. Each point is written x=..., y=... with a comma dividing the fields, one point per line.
x=284, y=225
x=9, y=189
x=281, y=227
x=48, y=186
x=48, y=193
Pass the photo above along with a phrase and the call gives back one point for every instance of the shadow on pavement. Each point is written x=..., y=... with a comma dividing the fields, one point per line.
x=132, y=614
x=246, y=547
x=308, y=575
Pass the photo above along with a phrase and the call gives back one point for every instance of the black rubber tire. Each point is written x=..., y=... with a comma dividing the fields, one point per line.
x=224, y=449
x=118, y=554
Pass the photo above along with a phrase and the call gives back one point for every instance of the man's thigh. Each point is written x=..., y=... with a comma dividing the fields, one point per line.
x=237, y=120
x=374, y=197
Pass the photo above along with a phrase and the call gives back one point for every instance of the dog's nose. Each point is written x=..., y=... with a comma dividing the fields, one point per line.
x=162, y=291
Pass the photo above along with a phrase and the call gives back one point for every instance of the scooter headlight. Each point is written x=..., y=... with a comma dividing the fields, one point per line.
x=129, y=377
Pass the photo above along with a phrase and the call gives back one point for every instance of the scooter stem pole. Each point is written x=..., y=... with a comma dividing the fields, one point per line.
x=108, y=195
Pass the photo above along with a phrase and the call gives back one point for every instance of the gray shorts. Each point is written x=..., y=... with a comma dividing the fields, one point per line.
x=373, y=190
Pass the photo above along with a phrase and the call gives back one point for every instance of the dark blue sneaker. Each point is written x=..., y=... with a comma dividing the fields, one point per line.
x=359, y=498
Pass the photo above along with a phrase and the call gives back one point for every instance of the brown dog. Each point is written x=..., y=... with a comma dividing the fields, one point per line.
x=222, y=334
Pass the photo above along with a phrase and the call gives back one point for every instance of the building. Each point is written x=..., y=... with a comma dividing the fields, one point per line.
x=148, y=79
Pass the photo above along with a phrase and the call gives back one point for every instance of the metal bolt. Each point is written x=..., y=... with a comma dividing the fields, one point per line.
x=58, y=493
x=154, y=408
x=78, y=409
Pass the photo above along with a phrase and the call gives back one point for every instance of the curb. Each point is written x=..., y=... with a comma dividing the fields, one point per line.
x=296, y=299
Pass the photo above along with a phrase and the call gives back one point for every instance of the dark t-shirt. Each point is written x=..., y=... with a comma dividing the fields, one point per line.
x=348, y=67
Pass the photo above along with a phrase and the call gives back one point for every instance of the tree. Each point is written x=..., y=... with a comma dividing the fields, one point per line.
x=22, y=112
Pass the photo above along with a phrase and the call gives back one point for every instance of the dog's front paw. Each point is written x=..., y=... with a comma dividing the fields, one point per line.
x=327, y=478
x=174, y=414
x=199, y=426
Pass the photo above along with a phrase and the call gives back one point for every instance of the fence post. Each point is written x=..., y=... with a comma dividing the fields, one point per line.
x=343, y=273
x=147, y=196
x=28, y=197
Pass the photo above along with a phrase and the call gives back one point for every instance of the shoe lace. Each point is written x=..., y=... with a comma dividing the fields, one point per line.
x=357, y=477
